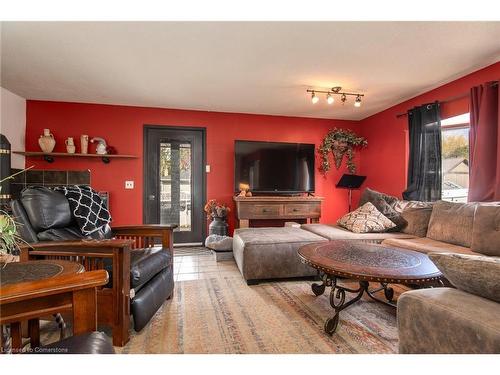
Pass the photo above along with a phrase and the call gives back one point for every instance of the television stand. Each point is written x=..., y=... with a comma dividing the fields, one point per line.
x=274, y=210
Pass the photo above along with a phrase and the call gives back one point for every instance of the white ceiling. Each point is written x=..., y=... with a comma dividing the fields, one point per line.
x=254, y=67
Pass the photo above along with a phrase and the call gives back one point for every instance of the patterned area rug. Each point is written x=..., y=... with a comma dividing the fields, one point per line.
x=224, y=315
x=214, y=311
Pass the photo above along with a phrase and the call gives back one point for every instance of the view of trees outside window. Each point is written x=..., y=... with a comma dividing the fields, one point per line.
x=455, y=158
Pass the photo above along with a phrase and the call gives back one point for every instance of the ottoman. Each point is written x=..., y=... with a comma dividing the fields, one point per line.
x=271, y=253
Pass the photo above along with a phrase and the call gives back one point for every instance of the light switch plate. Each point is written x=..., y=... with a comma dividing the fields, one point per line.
x=129, y=184
x=207, y=168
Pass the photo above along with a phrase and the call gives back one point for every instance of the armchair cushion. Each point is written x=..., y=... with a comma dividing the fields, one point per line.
x=60, y=234
x=146, y=263
x=88, y=343
x=46, y=208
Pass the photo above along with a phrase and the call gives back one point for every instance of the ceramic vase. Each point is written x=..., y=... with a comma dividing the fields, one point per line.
x=84, y=144
x=70, y=145
x=47, y=141
x=218, y=226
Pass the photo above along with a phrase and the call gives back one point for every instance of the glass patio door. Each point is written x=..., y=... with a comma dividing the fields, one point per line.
x=174, y=181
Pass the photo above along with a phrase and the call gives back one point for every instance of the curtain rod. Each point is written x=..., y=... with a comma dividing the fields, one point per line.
x=452, y=99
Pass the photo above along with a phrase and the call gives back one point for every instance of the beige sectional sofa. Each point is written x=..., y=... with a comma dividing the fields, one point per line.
x=465, y=228
x=439, y=320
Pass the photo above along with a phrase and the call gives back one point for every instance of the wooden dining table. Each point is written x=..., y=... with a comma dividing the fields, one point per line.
x=27, y=292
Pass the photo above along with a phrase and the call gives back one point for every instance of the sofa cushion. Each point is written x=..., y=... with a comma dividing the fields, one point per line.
x=476, y=274
x=383, y=203
x=417, y=221
x=447, y=320
x=486, y=230
x=452, y=222
x=370, y=195
x=265, y=253
x=366, y=219
x=254, y=236
x=334, y=232
x=46, y=208
x=146, y=263
x=426, y=245
x=402, y=205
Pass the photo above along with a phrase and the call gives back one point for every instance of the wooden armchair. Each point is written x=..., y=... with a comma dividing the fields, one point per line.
x=28, y=301
x=118, y=256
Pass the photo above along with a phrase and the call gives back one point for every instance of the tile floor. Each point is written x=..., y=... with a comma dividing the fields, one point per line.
x=199, y=263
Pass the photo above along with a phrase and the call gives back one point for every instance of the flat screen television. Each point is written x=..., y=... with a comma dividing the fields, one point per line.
x=274, y=167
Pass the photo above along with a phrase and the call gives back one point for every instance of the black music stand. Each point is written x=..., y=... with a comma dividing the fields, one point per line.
x=350, y=181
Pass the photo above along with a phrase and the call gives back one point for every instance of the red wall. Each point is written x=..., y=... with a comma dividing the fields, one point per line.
x=122, y=127
x=385, y=159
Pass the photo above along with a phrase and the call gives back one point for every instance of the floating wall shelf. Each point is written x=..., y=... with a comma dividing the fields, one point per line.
x=49, y=157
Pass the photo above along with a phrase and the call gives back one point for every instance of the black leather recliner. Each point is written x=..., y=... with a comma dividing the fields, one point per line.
x=44, y=215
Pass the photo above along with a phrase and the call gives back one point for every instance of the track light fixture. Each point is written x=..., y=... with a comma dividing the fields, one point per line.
x=314, y=98
x=330, y=96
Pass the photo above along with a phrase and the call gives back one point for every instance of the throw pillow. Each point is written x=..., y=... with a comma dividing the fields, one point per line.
x=417, y=221
x=366, y=219
x=370, y=195
x=452, y=222
x=390, y=213
x=384, y=204
x=475, y=274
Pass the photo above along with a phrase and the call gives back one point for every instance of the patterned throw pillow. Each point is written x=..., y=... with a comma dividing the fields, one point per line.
x=366, y=219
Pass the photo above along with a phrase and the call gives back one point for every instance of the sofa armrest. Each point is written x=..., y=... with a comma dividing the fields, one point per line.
x=147, y=235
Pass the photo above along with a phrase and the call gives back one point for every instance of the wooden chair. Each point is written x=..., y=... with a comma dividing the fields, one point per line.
x=75, y=293
x=113, y=301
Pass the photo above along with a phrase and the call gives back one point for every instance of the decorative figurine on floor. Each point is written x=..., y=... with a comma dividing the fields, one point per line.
x=101, y=148
x=218, y=213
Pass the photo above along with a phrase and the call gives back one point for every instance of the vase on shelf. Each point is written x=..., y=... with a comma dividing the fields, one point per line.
x=70, y=145
x=47, y=141
x=218, y=226
x=84, y=144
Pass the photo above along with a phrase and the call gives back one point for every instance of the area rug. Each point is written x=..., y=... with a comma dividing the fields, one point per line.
x=224, y=315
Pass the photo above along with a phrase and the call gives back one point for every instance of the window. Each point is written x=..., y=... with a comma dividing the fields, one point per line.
x=455, y=158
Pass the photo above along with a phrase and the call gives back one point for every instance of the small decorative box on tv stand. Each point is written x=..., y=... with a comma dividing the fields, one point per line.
x=275, y=210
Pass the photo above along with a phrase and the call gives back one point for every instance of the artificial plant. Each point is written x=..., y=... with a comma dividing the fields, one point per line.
x=340, y=142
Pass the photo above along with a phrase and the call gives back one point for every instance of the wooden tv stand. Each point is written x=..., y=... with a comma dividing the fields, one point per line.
x=277, y=208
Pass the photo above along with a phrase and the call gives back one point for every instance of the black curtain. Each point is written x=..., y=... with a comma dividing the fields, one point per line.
x=424, y=167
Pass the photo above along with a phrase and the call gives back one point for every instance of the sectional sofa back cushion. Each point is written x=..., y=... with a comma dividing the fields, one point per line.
x=474, y=274
x=417, y=220
x=486, y=230
x=452, y=222
x=366, y=219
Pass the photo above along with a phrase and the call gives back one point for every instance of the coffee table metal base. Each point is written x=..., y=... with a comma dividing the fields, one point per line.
x=338, y=297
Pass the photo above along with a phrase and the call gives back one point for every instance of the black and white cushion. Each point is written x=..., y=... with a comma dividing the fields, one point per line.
x=87, y=206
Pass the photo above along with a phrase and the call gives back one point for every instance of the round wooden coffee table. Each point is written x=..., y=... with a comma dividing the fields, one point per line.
x=365, y=263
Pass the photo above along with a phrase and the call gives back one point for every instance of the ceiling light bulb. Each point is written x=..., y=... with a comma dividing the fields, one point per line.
x=314, y=98
x=357, y=102
x=329, y=99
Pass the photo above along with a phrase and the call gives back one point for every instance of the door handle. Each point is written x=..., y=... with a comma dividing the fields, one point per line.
x=151, y=197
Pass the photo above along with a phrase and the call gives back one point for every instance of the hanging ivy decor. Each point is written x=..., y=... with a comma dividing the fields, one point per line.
x=340, y=142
